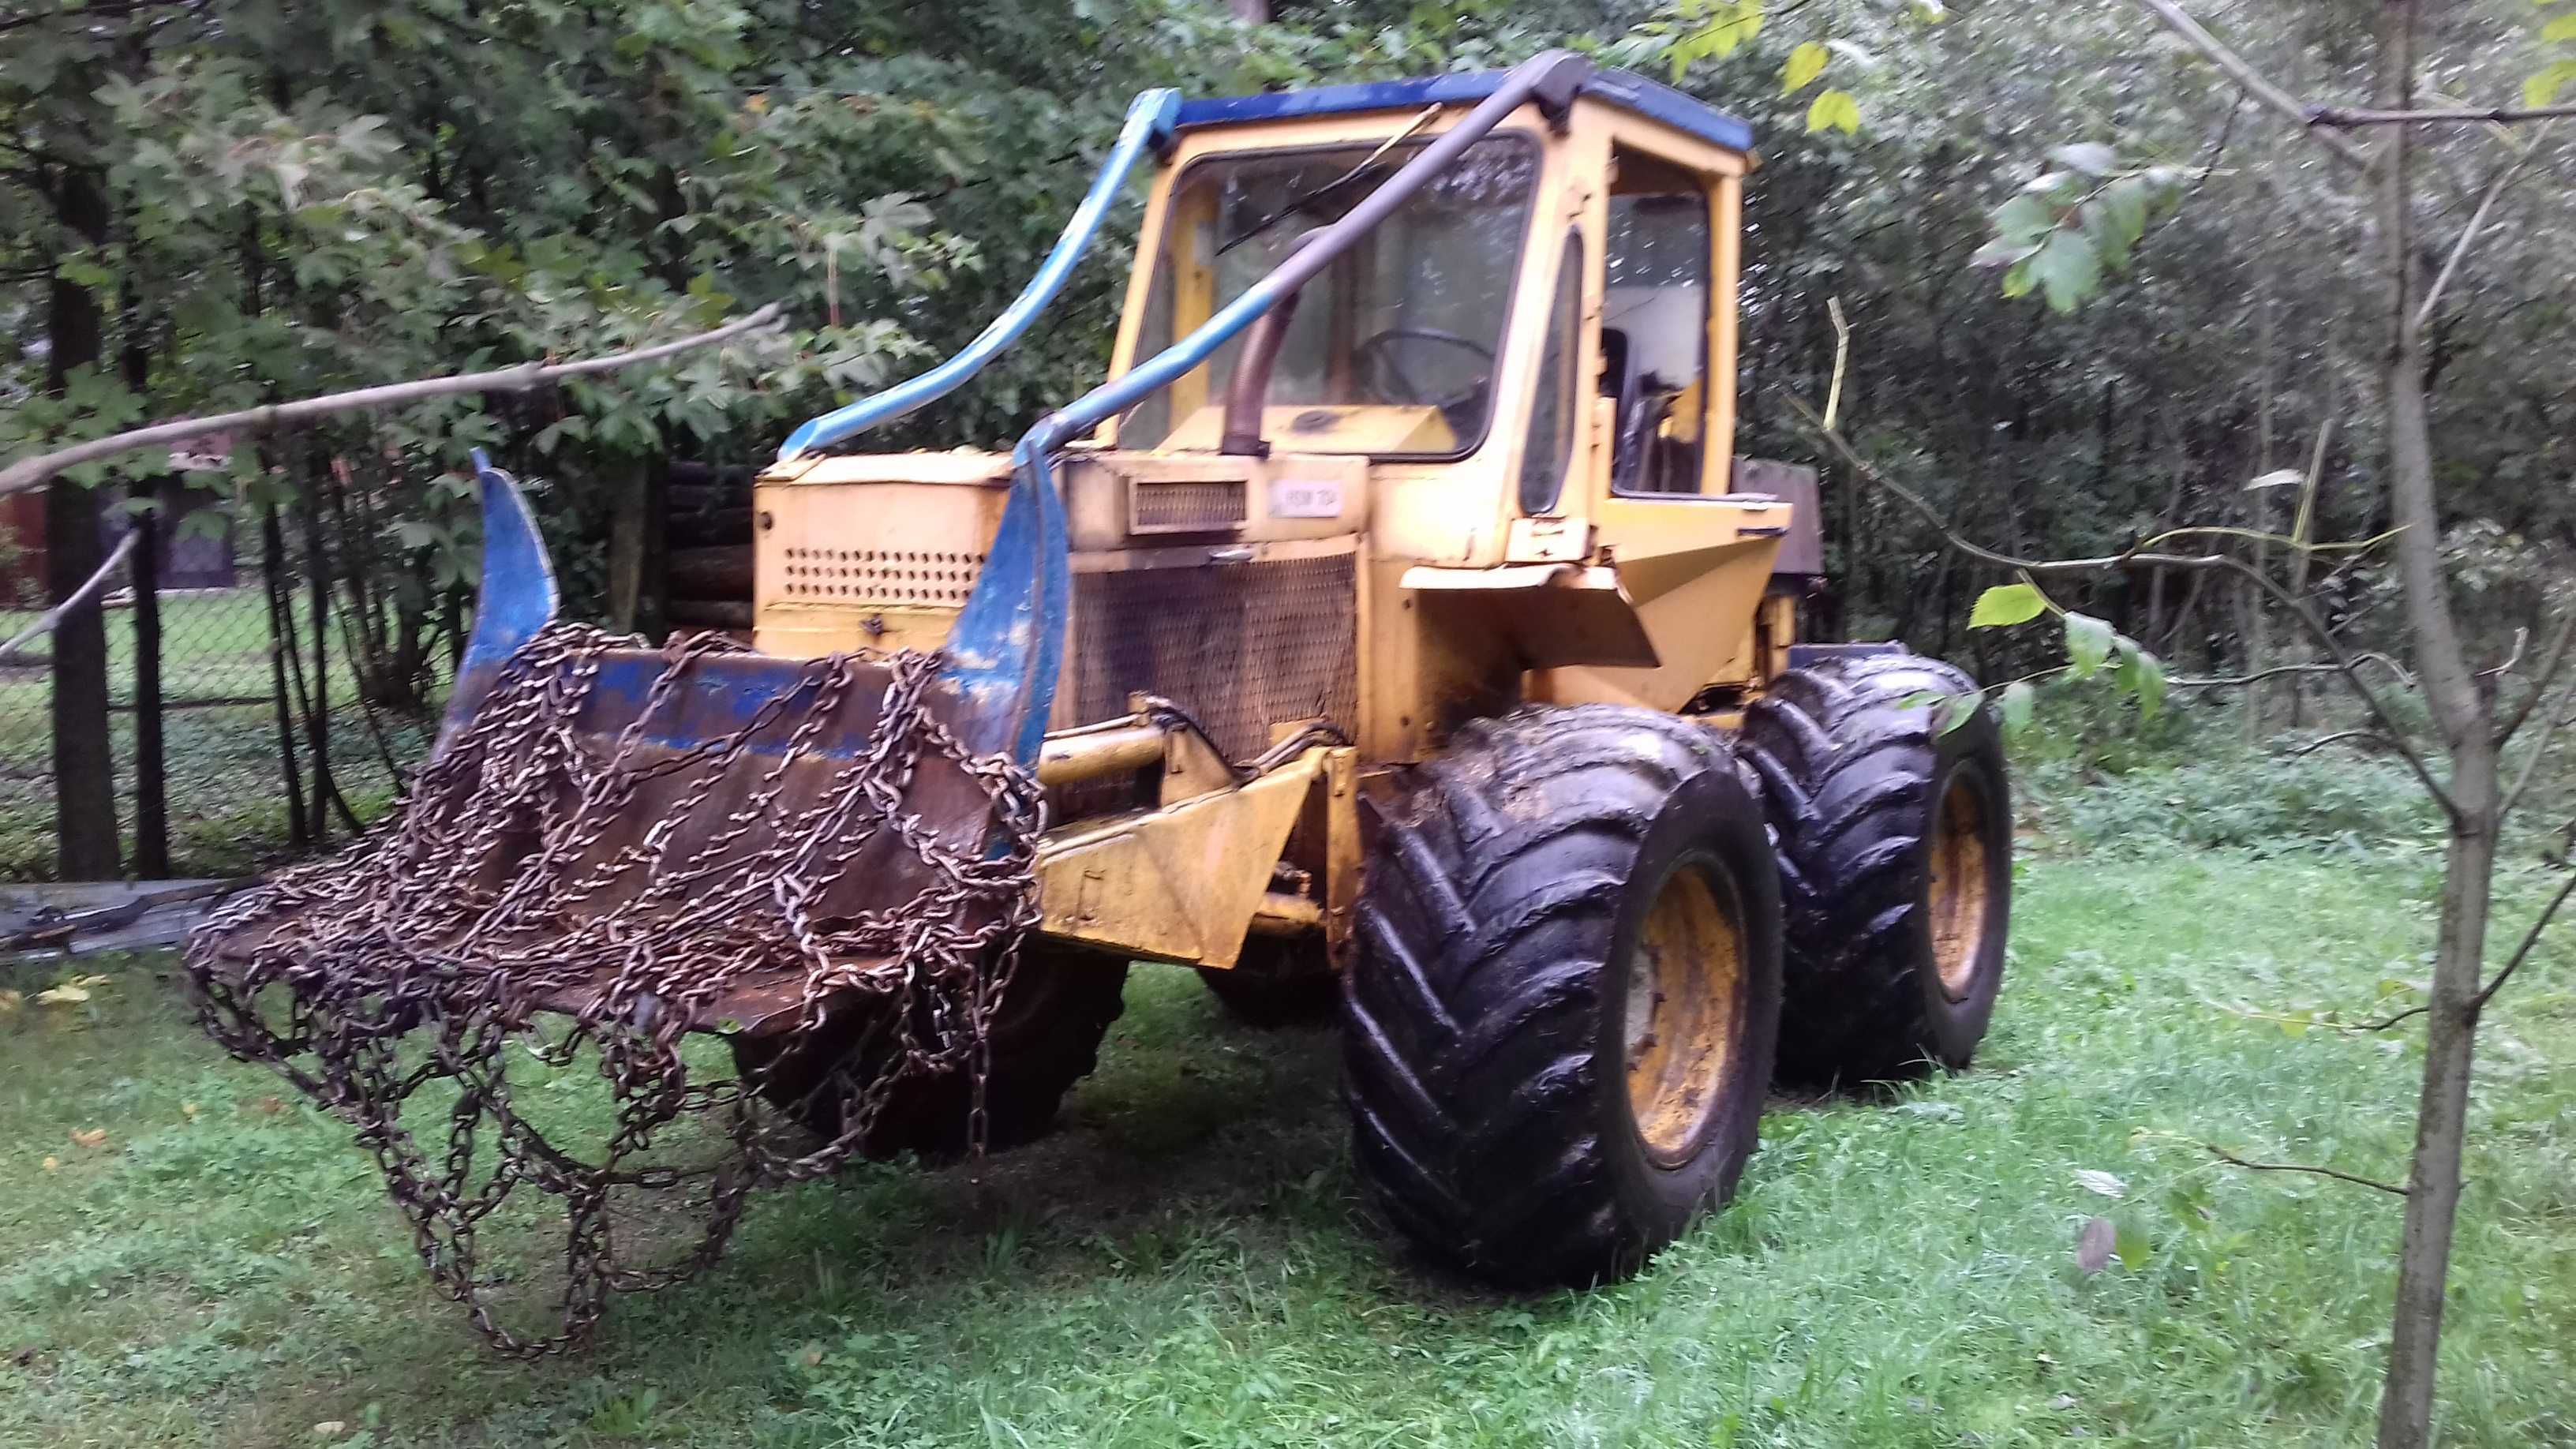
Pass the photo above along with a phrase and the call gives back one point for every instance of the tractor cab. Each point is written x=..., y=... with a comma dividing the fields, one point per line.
x=1593, y=248
x=1508, y=395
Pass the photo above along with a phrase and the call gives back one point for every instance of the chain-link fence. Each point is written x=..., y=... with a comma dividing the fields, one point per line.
x=269, y=740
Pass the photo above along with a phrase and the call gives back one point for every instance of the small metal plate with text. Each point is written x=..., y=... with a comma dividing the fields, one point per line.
x=1305, y=498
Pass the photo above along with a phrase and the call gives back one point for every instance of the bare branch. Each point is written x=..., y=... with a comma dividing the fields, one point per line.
x=2289, y=541
x=2551, y=661
x=2223, y=1155
x=2495, y=188
x=27, y=473
x=2512, y=657
x=2344, y=662
x=79, y=598
x=1842, y=351
x=2502, y=115
x=2550, y=724
x=2392, y=1019
x=2253, y=83
x=2220, y=681
x=2312, y=746
x=2522, y=952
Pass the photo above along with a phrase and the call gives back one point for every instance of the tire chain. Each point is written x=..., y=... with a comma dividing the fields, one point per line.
x=405, y=937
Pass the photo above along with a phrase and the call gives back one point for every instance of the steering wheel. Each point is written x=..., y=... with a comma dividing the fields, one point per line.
x=1378, y=367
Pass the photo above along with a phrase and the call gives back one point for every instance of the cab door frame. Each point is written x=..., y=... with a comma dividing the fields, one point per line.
x=1693, y=566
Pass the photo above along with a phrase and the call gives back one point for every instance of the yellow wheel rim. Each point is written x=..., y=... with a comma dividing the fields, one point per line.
x=1685, y=989
x=1959, y=896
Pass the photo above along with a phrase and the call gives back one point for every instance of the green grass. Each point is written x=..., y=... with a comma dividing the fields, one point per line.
x=1189, y=1262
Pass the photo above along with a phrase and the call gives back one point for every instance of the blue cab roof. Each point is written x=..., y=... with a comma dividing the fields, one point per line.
x=1624, y=89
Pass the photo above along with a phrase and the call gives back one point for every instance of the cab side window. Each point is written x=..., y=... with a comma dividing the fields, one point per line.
x=1654, y=324
x=1548, y=449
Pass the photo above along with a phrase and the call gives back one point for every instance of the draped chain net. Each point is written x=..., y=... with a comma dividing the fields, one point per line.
x=417, y=961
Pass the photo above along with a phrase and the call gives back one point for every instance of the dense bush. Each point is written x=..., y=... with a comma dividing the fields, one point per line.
x=2091, y=774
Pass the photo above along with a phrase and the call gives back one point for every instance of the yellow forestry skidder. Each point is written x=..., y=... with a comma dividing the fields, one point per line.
x=1394, y=633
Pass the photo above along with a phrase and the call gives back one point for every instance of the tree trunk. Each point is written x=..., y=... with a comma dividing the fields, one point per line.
x=2442, y=1107
x=317, y=704
x=151, y=774
x=85, y=843
x=2258, y=511
x=281, y=639
x=637, y=534
x=2441, y=1127
x=151, y=763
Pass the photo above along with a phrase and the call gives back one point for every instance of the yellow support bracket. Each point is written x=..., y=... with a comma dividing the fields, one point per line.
x=1177, y=884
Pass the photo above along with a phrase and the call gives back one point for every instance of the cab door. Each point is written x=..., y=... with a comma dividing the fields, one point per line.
x=1690, y=559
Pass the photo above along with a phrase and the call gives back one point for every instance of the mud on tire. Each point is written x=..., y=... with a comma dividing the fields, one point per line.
x=1521, y=902
x=1895, y=851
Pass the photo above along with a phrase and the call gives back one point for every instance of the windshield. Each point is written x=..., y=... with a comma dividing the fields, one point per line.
x=1392, y=350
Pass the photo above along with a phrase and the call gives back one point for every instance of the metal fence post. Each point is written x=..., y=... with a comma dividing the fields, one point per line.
x=151, y=803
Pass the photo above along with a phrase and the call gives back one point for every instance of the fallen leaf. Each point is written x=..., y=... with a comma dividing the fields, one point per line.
x=64, y=995
x=2106, y=1183
x=93, y=1137
x=2093, y=1245
x=270, y=1104
x=52, y=1164
x=188, y=1109
x=330, y=1429
x=2133, y=1247
x=10, y=1001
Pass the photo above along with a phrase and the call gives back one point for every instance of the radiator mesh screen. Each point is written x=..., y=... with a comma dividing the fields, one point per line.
x=1184, y=507
x=1241, y=646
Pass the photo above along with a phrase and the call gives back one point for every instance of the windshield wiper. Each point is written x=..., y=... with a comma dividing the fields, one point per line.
x=1313, y=194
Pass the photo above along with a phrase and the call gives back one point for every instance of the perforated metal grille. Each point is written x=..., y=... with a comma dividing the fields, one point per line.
x=1184, y=507
x=881, y=576
x=1241, y=646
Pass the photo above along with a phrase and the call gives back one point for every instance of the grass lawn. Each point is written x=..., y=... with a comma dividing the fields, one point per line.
x=1189, y=1263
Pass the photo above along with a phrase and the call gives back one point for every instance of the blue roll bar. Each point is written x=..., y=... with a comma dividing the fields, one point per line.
x=1149, y=124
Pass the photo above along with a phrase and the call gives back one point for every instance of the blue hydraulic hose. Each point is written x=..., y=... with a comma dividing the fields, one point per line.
x=1149, y=123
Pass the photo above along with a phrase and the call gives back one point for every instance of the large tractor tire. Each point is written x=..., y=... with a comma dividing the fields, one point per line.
x=1559, y=1025
x=1045, y=1037
x=1895, y=849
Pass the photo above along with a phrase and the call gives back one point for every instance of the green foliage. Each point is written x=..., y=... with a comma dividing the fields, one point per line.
x=1803, y=66
x=2558, y=40
x=295, y=198
x=1834, y=110
x=2015, y=704
x=2007, y=604
x=2068, y=226
x=2089, y=642
x=2248, y=801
